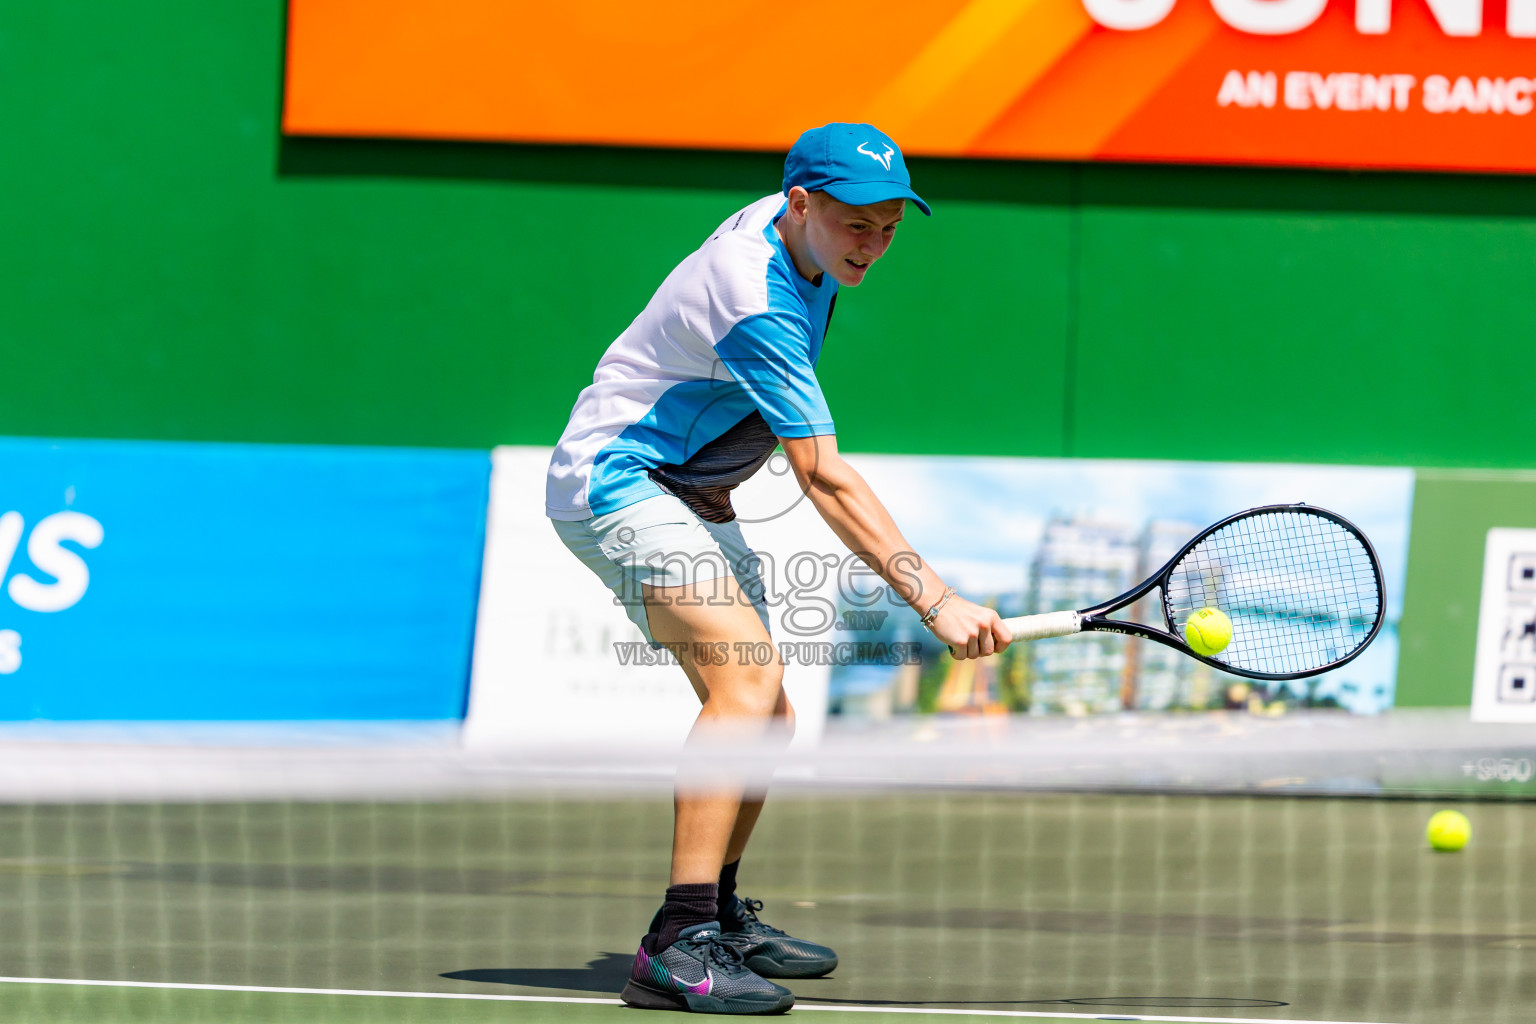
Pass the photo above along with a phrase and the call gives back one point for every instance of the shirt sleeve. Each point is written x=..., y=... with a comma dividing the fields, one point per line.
x=769, y=354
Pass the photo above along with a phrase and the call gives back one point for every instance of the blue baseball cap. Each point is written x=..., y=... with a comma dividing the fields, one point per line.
x=857, y=164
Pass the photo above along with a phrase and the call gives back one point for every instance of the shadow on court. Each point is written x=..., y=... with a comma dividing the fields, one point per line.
x=606, y=973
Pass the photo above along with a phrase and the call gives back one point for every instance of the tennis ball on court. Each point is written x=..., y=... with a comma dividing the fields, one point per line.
x=1448, y=831
x=1208, y=631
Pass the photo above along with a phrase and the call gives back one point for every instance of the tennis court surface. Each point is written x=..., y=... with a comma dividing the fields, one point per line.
x=1029, y=904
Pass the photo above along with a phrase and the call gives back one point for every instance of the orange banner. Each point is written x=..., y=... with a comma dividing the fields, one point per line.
x=1435, y=84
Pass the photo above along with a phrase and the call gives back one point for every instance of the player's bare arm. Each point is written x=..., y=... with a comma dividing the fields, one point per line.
x=849, y=506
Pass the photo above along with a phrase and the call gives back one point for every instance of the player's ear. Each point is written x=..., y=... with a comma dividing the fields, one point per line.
x=799, y=204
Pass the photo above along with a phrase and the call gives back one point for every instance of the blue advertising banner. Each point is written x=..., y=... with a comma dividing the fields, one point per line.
x=167, y=581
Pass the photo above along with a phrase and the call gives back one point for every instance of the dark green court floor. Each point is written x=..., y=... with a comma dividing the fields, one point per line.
x=1107, y=906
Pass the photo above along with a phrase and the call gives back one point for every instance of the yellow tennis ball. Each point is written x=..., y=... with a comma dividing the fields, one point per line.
x=1448, y=831
x=1208, y=631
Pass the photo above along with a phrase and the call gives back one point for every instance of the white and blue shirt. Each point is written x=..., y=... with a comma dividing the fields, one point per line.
x=692, y=397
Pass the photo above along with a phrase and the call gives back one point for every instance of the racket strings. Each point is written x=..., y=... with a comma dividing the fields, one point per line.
x=1301, y=590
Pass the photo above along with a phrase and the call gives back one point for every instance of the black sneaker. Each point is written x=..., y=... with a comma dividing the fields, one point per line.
x=701, y=973
x=769, y=951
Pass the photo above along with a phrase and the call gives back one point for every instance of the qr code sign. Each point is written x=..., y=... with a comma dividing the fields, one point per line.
x=1504, y=676
x=1522, y=573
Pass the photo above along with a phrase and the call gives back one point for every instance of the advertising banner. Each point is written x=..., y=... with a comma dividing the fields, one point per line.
x=1437, y=84
x=558, y=663
x=202, y=582
x=1043, y=535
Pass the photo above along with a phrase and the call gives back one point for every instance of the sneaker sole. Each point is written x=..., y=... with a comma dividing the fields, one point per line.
x=646, y=998
x=767, y=967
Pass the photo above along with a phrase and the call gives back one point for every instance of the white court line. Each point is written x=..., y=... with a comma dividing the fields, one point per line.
x=615, y=1002
x=306, y=991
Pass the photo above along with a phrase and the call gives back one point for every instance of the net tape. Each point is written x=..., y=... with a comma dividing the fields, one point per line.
x=1301, y=591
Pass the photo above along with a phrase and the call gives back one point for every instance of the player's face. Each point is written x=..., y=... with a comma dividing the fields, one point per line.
x=846, y=240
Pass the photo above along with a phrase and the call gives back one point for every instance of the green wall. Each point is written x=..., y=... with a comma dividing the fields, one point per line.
x=172, y=269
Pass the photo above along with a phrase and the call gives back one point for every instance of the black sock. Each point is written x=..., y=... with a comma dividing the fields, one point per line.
x=727, y=886
x=686, y=906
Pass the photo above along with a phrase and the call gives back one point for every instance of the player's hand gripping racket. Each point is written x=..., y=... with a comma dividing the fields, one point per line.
x=1301, y=586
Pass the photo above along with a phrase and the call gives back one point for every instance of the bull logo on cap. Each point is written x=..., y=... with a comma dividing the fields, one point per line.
x=883, y=159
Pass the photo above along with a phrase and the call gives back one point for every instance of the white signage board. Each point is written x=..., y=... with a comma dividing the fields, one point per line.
x=550, y=668
x=1504, y=674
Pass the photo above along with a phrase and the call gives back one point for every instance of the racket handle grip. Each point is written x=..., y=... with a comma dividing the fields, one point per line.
x=1039, y=627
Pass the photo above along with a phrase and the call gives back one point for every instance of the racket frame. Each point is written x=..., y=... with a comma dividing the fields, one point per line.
x=1096, y=619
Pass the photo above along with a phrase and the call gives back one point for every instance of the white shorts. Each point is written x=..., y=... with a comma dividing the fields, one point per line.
x=660, y=541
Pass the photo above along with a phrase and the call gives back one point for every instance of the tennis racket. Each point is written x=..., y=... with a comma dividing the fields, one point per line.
x=1301, y=585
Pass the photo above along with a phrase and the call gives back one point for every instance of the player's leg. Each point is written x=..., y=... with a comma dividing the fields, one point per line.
x=766, y=949
x=752, y=803
x=659, y=543
x=770, y=951
x=750, y=808
x=682, y=963
x=745, y=564
x=704, y=847
x=745, y=715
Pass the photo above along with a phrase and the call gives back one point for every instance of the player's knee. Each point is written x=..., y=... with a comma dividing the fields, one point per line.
x=745, y=691
x=761, y=688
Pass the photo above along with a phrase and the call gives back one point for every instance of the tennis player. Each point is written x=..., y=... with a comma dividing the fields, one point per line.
x=717, y=371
